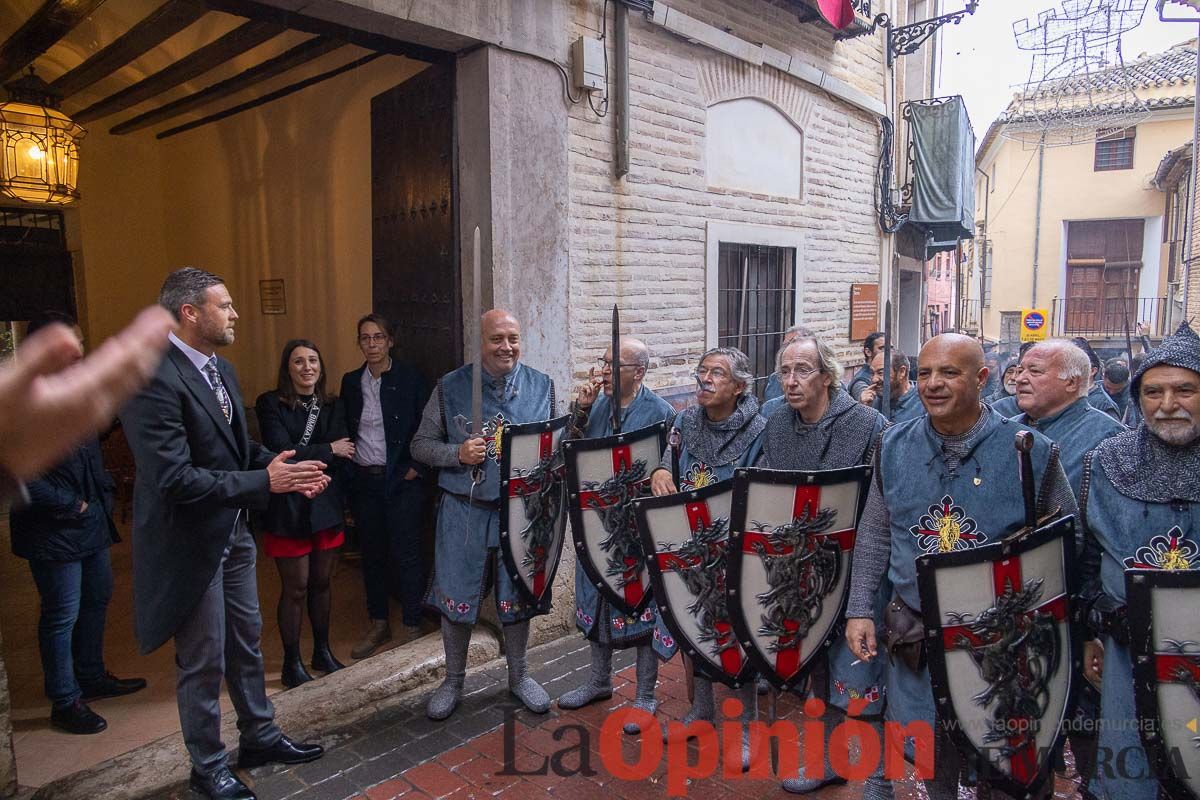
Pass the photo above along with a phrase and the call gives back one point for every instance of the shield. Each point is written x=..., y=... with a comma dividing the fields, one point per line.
x=1002, y=650
x=688, y=536
x=789, y=564
x=1164, y=645
x=532, y=505
x=604, y=477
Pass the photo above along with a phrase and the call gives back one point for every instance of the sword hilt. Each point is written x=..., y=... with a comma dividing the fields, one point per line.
x=1024, y=445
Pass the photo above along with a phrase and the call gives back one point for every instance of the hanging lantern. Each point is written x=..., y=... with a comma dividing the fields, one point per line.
x=39, y=145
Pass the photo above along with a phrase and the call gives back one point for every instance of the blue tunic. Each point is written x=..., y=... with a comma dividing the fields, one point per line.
x=1007, y=406
x=594, y=616
x=905, y=407
x=982, y=501
x=1077, y=430
x=1100, y=399
x=468, y=535
x=773, y=389
x=771, y=406
x=1131, y=533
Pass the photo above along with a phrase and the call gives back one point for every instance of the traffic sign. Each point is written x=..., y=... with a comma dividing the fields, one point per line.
x=1035, y=324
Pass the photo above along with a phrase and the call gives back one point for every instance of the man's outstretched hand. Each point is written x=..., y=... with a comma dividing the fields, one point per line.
x=306, y=477
x=50, y=400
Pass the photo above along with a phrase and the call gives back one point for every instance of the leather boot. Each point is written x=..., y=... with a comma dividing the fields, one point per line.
x=377, y=635
x=323, y=660
x=293, y=673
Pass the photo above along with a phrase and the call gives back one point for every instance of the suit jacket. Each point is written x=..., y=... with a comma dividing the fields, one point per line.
x=196, y=474
x=51, y=527
x=402, y=397
x=293, y=515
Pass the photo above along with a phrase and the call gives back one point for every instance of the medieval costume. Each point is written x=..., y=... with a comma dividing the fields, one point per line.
x=710, y=452
x=845, y=436
x=606, y=627
x=905, y=407
x=1140, y=505
x=935, y=494
x=1099, y=399
x=468, y=534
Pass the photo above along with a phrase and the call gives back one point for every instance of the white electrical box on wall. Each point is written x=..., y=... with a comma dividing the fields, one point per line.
x=587, y=64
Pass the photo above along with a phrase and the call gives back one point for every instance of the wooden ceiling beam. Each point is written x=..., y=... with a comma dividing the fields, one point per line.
x=239, y=40
x=166, y=21
x=270, y=97
x=54, y=20
x=252, y=9
x=300, y=54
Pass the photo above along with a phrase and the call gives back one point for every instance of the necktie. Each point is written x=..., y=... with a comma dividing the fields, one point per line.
x=218, y=387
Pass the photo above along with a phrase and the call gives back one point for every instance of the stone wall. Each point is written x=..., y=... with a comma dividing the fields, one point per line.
x=8, y=759
x=641, y=240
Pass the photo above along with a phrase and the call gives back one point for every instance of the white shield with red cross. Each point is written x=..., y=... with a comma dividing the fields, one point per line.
x=604, y=477
x=1164, y=645
x=533, y=509
x=687, y=535
x=1002, y=651
x=789, y=564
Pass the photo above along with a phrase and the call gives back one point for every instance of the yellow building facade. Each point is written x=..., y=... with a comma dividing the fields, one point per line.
x=1082, y=230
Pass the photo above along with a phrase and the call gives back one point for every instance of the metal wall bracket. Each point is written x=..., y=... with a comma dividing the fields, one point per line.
x=907, y=39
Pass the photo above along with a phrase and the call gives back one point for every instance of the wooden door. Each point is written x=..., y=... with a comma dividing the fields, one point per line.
x=415, y=269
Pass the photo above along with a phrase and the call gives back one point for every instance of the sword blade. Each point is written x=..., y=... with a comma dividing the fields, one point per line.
x=616, y=370
x=886, y=403
x=477, y=372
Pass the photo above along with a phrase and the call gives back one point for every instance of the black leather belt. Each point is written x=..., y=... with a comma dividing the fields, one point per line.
x=373, y=469
x=490, y=505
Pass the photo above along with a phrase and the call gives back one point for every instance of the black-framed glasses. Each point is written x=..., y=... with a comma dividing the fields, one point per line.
x=603, y=364
x=373, y=338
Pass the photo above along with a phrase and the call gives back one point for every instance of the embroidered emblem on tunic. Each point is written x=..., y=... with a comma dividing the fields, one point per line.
x=946, y=528
x=493, y=430
x=1170, y=552
x=698, y=476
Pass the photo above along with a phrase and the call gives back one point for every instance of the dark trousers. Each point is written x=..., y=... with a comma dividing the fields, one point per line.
x=221, y=638
x=74, y=598
x=389, y=533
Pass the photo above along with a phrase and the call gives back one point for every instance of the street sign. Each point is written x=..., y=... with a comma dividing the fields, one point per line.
x=1035, y=324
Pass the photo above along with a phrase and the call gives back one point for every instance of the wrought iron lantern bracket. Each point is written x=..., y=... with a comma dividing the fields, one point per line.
x=907, y=39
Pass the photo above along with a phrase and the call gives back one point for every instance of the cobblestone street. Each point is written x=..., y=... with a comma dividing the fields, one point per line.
x=400, y=753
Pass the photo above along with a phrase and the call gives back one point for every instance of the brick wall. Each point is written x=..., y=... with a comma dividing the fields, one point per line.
x=641, y=241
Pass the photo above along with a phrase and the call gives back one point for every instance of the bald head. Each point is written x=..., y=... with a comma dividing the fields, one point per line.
x=500, y=341
x=634, y=360
x=950, y=377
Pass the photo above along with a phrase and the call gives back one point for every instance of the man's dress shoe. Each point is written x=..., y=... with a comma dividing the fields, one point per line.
x=220, y=785
x=285, y=751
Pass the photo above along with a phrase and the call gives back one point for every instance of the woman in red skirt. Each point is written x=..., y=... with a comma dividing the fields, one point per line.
x=303, y=536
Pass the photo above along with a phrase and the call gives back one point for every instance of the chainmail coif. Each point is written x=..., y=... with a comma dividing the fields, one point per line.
x=842, y=437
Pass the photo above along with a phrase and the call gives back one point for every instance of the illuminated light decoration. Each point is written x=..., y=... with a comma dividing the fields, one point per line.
x=39, y=145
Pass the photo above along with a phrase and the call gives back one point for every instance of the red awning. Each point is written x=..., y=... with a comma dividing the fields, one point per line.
x=839, y=13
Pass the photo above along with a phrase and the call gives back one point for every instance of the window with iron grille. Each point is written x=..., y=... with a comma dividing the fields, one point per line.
x=756, y=302
x=1115, y=151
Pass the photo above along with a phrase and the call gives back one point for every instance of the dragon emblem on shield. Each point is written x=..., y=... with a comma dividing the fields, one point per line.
x=700, y=563
x=542, y=497
x=801, y=573
x=612, y=500
x=1017, y=649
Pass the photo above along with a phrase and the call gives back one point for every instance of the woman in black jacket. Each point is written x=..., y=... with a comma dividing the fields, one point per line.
x=303, y=536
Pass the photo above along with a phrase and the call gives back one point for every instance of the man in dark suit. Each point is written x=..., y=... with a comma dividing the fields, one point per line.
x=382, y=401
x=193, y=555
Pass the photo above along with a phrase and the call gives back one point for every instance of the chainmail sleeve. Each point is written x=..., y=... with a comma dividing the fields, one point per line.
x=429, y=445
x=1056, y=492
x=872, y=549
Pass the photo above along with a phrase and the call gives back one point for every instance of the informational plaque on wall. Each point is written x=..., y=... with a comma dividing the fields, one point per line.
x=271, y=297
x=864, y=310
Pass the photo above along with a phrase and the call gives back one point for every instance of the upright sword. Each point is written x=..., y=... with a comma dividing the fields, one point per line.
x=886, y=401
x=616, y=370
x=477, y=472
